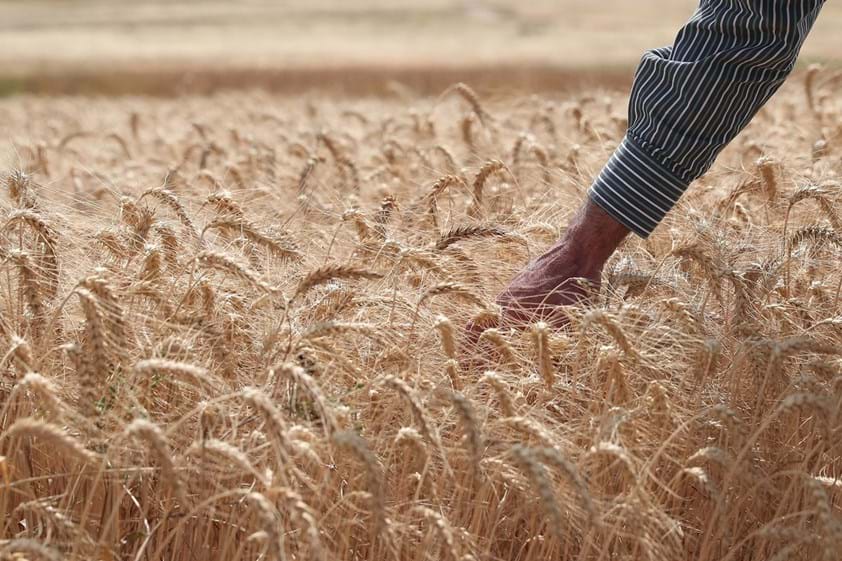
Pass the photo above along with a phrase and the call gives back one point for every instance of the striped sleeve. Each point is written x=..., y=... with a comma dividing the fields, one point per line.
x=690, y=100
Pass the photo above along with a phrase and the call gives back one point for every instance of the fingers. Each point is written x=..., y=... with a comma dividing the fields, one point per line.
x=521, y=308
x=519, y=314
x=472, y=351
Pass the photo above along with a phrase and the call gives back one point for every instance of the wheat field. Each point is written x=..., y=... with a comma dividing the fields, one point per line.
x=232, y=328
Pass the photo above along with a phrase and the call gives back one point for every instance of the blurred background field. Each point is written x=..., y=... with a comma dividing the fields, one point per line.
x=170, y=47
x=232, y=324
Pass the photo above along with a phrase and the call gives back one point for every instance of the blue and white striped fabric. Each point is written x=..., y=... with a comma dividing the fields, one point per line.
x=690, y=100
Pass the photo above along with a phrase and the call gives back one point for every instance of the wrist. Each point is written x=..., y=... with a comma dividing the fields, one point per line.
x=593, y=235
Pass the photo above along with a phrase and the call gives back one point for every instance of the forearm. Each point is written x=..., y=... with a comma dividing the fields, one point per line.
x=690, y=100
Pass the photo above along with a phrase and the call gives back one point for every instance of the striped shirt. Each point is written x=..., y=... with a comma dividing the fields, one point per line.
x=690, y=100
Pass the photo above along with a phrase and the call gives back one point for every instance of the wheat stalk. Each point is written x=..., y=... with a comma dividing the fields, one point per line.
x=53, y=436
x=541, y=341
x=473, y=432
x=16, y=547
x=470, y=96
x=154, y=437
x=329, y=273
x=376, y=484
x=169, y=199
x=221, y=262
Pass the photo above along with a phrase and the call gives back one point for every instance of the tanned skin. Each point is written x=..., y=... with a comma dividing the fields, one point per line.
x=566, y=273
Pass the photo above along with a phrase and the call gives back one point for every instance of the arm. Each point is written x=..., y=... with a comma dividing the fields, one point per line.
x=690, y=100
x=687, y=103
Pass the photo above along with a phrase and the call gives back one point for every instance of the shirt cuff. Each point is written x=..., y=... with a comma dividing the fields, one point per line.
x=636, y=189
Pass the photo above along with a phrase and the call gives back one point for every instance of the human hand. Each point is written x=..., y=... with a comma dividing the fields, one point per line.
x=568, y=273
x=560, y=277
